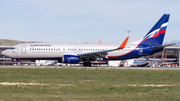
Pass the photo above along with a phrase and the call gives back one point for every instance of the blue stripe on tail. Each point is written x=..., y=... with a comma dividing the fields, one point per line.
x=156, y=35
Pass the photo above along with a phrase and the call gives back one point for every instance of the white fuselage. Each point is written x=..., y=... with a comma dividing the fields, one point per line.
x=57, y=50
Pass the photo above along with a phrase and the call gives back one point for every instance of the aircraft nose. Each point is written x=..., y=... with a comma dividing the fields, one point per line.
x=5, y=52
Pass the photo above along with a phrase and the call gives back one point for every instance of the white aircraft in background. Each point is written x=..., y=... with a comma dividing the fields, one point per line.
x=85, y=52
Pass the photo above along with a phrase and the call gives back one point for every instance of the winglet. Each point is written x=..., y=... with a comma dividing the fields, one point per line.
x=123, y=44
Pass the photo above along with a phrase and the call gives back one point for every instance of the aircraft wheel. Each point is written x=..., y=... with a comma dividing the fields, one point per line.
x=87, y=64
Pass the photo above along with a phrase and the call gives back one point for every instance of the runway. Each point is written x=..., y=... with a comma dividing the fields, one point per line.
x=106, y=67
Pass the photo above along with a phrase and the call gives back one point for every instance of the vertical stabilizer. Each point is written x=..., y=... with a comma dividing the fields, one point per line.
x=156, y=35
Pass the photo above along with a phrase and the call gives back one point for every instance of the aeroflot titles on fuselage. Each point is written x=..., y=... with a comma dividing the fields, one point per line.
x=33, y=45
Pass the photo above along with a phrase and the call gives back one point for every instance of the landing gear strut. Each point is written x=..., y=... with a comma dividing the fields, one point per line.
x=87, y=63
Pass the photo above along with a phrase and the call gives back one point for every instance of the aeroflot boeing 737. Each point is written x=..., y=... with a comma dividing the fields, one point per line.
x=85, y=52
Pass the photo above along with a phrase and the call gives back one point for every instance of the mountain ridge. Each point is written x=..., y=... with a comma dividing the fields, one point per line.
x=8, y=42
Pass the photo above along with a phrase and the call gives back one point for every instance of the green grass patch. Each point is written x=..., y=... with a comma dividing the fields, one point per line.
x=72, y=84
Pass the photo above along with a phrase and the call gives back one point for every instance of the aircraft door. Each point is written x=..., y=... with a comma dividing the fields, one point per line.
x=23, y=49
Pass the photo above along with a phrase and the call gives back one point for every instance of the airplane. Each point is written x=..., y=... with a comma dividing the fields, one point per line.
x=140, y=64
x=73, y=53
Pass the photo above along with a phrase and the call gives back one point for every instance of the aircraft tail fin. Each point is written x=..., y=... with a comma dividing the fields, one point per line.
x=156, y=35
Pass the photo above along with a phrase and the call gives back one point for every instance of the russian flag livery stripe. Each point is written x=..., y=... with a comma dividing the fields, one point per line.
x=156, y=35
x=157, y=32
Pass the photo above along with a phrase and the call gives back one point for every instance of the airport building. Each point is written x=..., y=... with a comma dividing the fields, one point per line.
x=170, y=56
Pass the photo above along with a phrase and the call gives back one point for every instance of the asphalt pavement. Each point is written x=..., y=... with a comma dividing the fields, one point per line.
x=105, y=67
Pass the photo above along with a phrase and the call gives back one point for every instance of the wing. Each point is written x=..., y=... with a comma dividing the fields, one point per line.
x=98, y=54
x=6, y=47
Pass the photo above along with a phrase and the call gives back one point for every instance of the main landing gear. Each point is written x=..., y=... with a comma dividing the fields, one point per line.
x=87, y=63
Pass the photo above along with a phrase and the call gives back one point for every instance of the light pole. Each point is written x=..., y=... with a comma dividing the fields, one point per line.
x=128, y=31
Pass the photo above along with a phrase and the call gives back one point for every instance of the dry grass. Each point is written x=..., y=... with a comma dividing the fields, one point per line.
x=18, y=83
x=147, y=85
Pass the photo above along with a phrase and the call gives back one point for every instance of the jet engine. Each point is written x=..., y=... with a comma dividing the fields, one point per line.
x=70, y=59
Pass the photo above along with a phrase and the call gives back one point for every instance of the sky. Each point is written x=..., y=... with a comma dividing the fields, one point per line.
x=66, y=21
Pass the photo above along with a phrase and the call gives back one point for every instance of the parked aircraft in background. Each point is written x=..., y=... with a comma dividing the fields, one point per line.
x=78, y=52
x=45, y=62
x=140, y=64
x=99, y=41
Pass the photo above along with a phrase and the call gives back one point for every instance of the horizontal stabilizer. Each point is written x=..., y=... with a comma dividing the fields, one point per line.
x=162, y=46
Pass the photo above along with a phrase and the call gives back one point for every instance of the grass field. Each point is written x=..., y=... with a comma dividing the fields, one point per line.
x=72, y=84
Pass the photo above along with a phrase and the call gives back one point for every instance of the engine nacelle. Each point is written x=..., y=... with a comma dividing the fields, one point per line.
x=70, y=59
x=14, y=59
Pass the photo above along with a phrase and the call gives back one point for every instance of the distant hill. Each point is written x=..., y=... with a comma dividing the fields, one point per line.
x=174, y=41
x=7, y=42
